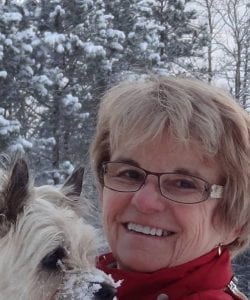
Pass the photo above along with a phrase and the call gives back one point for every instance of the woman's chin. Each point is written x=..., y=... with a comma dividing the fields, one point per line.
x=143, y=253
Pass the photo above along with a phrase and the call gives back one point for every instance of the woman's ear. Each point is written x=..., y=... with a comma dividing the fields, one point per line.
x=232, y=236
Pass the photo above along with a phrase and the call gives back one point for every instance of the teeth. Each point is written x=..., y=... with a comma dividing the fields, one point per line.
x=147, y=230
x=159, y=232
x=153, y=231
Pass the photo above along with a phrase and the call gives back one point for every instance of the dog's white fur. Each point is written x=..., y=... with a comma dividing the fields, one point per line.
x=47, y=220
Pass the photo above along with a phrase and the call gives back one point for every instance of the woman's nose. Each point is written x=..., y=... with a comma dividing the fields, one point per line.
x=148, y=198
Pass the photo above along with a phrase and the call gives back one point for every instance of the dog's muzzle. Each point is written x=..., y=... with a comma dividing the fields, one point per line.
x=106, y=291
x=94, y=285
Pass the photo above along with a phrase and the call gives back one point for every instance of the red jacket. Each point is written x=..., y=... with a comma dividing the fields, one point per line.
x=205, y=278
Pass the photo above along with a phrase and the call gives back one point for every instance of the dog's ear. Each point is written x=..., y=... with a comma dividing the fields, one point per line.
x=73, y=184
x=15, y=192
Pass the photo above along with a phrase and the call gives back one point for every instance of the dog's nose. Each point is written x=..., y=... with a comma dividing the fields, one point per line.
x=106, y=292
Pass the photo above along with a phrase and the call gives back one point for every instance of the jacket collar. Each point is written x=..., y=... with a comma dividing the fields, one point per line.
x=208, y=272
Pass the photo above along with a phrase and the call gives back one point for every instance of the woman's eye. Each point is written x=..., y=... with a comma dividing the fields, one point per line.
x=185, y=184
x=180, y=184
x=131, y=174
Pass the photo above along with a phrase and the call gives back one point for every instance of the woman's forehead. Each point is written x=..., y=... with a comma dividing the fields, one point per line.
x=163, y=144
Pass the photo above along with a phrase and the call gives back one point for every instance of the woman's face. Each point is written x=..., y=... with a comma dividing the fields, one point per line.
x=188, y=229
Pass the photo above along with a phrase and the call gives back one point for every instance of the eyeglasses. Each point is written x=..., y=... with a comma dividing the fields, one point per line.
x=187, y=189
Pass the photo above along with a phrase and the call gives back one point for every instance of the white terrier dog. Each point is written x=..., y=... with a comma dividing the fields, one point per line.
x=47, y=251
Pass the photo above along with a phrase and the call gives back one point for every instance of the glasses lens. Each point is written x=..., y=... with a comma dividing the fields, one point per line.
x=183, y=188
x=123, y=177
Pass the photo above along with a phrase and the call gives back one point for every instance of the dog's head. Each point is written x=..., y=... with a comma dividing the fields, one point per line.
x=47, y=250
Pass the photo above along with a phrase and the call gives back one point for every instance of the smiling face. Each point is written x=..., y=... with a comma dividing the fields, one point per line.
x=146, y=231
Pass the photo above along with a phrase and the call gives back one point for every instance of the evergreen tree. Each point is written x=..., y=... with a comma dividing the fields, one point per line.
x=9, y=132
x=241, y=268
x=77, y=49
x=16, y=69
x=160, y=34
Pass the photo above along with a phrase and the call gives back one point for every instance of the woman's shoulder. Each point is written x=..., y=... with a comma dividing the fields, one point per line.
x=229, y=294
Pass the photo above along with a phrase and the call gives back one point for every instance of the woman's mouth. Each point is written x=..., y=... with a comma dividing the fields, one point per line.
x=147, y=230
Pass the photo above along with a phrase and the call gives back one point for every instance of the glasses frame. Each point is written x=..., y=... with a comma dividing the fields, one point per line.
x=213, y=191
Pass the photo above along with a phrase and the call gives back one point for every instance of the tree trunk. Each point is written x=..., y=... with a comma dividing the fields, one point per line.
x=56, y=134
x=246, y=76
x=237, y=77
x=209, y=51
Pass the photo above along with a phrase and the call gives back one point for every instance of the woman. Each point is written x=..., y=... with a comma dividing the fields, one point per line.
x=172, y=160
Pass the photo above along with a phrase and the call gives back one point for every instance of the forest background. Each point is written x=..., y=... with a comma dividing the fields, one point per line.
x=58, y=57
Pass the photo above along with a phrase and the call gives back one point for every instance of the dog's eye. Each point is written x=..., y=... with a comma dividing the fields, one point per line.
x=50, y=261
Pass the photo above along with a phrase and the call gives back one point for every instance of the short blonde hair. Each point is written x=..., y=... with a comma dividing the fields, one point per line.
x=134, y=112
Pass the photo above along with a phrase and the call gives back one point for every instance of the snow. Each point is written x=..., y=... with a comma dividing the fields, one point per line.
x=21, y=145
x=16, y=148
x=29, y=70
x=154, y=57
x=3, y=74
x=47, y=142
x=108, y=64
x=26, y=144
x=85, y=4
x=88, y=96
x=53, y=38
x=111, y=33
x=27, y=34
x=60, y=48
x=1, y=52
x=27, y=48
x=43, y=79
x=116, y=46
x=8, y=126
x=62, y=80
x=221, y=83
x=84, y=286
x=84, y=116
x=71, y=103
x=8, y=42
x=131, y=35
x=76, y=39
x=12, y=17
x=93, y=50
x=58, y=11
x=67, y=167
x=103, y=19
x=143, y=46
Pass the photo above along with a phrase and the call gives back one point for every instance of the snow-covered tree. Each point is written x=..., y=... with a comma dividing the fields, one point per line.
x=16, y=69
x=17, y=39
x=160, y=34
x=77, y=49
x=9, y=131
x=241, y=267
